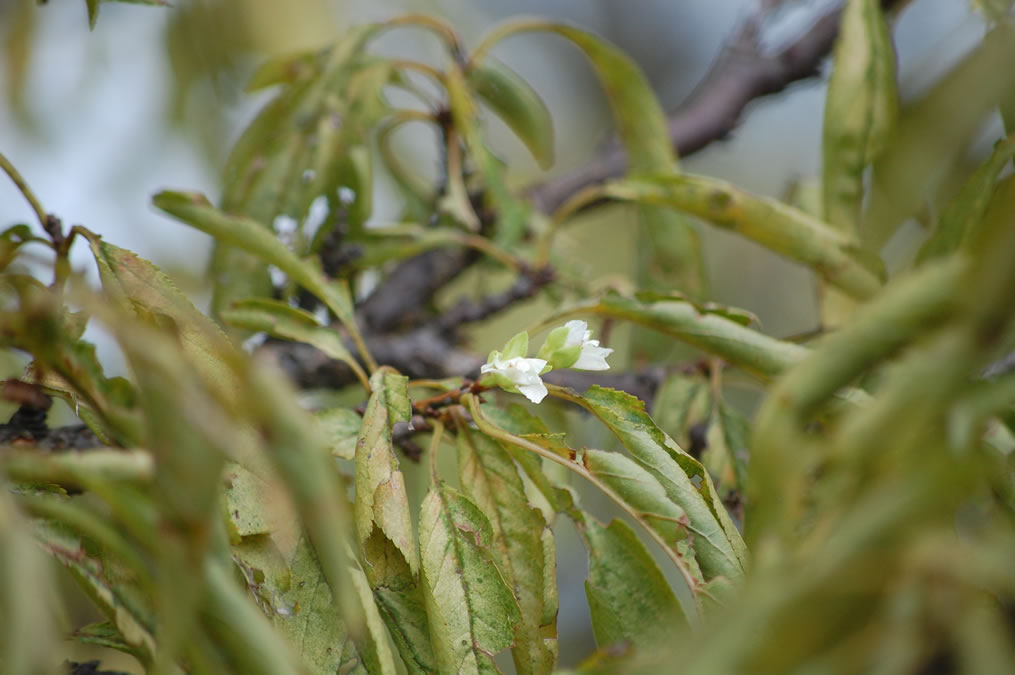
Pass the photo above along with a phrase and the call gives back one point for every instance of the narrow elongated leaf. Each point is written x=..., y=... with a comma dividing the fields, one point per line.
x=767, y=221
x=489, y=478
x=471, y=610
x=195, y=210
x=512, y=212
x=281, y=320
x=861, y=109
x=628, y=596
x=718, y=546
x=515, y=102
x=383, y=524
x=669, y=245
x=706, y=328
x=933, y=133
x=639, y=488
x=291, y=153
x=967, y=208
x=382, y=506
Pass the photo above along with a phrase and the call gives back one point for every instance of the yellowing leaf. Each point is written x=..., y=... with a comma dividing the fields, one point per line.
x=488, y=476
x=471, y=610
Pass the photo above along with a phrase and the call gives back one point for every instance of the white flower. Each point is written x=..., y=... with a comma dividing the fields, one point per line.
x=521, y=373
x=592, y=356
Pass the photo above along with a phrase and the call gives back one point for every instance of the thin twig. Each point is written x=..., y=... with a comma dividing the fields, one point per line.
x=22, y=186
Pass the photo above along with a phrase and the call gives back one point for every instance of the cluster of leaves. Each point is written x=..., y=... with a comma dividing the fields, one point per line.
x=223, y=527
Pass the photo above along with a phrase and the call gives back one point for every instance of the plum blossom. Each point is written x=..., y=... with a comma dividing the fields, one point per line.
x=592, y=356
x=518, y=373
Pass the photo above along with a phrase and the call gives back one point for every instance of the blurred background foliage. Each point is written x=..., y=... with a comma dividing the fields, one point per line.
x=153, y=98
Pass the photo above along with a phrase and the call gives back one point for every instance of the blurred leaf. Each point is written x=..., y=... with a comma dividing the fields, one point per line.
x=769, y=222
x=706, y=327
x=512, y=213
x=628, y=596
x=861, y=109
x=718, y=547
x=293, y=151
x=134, y=621
x=669, y=250
x=27, y=635
x=341, y=428
x=962, y=214
x=93, y=7
x=467, y=627
x=195, y=210
x=280, y=320
x=142, y=289
x=103, y=634
x=515, y=102
x=933, y=133
x=521, y=537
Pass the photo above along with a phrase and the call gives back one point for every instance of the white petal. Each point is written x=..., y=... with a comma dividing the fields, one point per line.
x=535, y=391
x=576, y=333
x=593, y=357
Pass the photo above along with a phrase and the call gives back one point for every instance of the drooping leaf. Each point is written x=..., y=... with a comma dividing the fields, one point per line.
x=767, y=221
x=293, y=150
x=718, y=546
x=628, y=596
x=244, y=233
x=965, y=210
x=709, y=329
x=933, y=133
x=515, y=102
x=281, y=320
x=861, y=109
x=639, y=488
x=472, y=612
x=103, y=634
x=489, y=478
x=512, y=212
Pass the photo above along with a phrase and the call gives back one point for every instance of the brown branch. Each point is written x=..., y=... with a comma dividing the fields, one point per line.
x=741, y=73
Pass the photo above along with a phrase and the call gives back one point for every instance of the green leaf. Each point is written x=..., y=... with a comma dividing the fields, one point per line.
x=706, y=328
x=934, y=132
x=512, y=212
x=521, y=422
x=93, y=12
x=718, y=546
x=311, y=621
x=489, y=478
x=103, y=634
x=668, y=243
x=341, y=427
x=279, y=319
x=383, y=523
x=767, y=221
x=472, y=611
x=628, y=596
x=382, y=506
x=293, y=150
x=861, y=110
x=518, y=346
x=142, y=289
x=639, y=488
x=968, y=207
x=515, y=102
x=194, y=209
